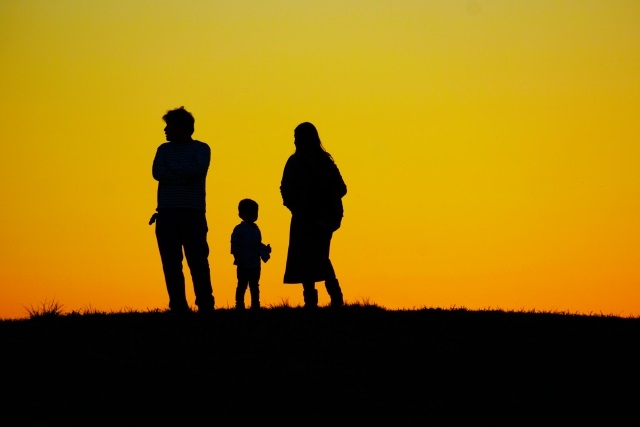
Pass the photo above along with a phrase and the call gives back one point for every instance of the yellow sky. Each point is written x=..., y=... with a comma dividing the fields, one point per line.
x=490, y=147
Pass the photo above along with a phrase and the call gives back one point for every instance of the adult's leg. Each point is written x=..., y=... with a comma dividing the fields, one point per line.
x=196, y=250
x=325, y=267
x=310, y=294
x=170, y=247
x=333, y=286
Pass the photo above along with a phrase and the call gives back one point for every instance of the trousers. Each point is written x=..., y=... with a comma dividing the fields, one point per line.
x=181, y=231
x=248, y=277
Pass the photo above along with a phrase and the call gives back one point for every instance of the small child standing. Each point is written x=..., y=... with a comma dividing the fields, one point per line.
x=247, y=250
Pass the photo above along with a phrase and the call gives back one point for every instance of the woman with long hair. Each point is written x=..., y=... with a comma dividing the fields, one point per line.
x=312, y=189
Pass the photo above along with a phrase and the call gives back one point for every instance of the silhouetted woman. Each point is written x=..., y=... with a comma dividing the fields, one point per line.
x=312, y=189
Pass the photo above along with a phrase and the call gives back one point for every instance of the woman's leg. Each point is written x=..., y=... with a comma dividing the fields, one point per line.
x=310, y=294
x=332, y=285
x=334, y=291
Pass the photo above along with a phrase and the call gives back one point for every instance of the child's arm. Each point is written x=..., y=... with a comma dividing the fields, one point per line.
x=235, y=245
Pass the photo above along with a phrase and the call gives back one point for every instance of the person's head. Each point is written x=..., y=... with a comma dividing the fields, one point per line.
x=248, y=210
x=307, y=139
x=180, y=125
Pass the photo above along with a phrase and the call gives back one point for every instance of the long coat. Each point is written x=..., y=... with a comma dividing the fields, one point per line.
x=312, y=189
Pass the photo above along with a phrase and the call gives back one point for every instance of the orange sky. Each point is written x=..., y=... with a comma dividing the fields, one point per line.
x=490, y=148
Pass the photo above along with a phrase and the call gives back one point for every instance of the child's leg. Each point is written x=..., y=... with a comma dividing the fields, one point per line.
x=254, y=288
x=241, y=288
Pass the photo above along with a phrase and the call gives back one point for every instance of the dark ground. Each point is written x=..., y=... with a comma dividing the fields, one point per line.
x=360, y=365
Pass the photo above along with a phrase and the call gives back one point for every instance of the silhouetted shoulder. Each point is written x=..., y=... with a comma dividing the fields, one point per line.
x=202, y=144
x=163, y=146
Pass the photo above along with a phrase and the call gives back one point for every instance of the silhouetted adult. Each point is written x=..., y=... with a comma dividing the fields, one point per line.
x=180, y=167
x=312, y=189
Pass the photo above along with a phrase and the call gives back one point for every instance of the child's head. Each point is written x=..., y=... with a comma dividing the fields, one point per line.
x=248, y=210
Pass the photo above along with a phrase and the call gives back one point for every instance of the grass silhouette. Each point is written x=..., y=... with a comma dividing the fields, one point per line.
x=284, y=365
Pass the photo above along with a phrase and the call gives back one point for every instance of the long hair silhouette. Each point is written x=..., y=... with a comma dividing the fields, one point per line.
x=307, y=140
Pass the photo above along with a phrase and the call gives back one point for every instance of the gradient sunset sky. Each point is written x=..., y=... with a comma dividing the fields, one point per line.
x=491, y=149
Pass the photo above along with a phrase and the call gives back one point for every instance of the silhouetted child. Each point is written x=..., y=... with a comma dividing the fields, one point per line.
x=247, y=250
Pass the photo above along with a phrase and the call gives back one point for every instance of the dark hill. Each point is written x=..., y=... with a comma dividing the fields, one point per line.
x=359, y=365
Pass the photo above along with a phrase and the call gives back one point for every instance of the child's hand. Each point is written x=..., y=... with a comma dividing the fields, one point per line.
x=264, y=253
